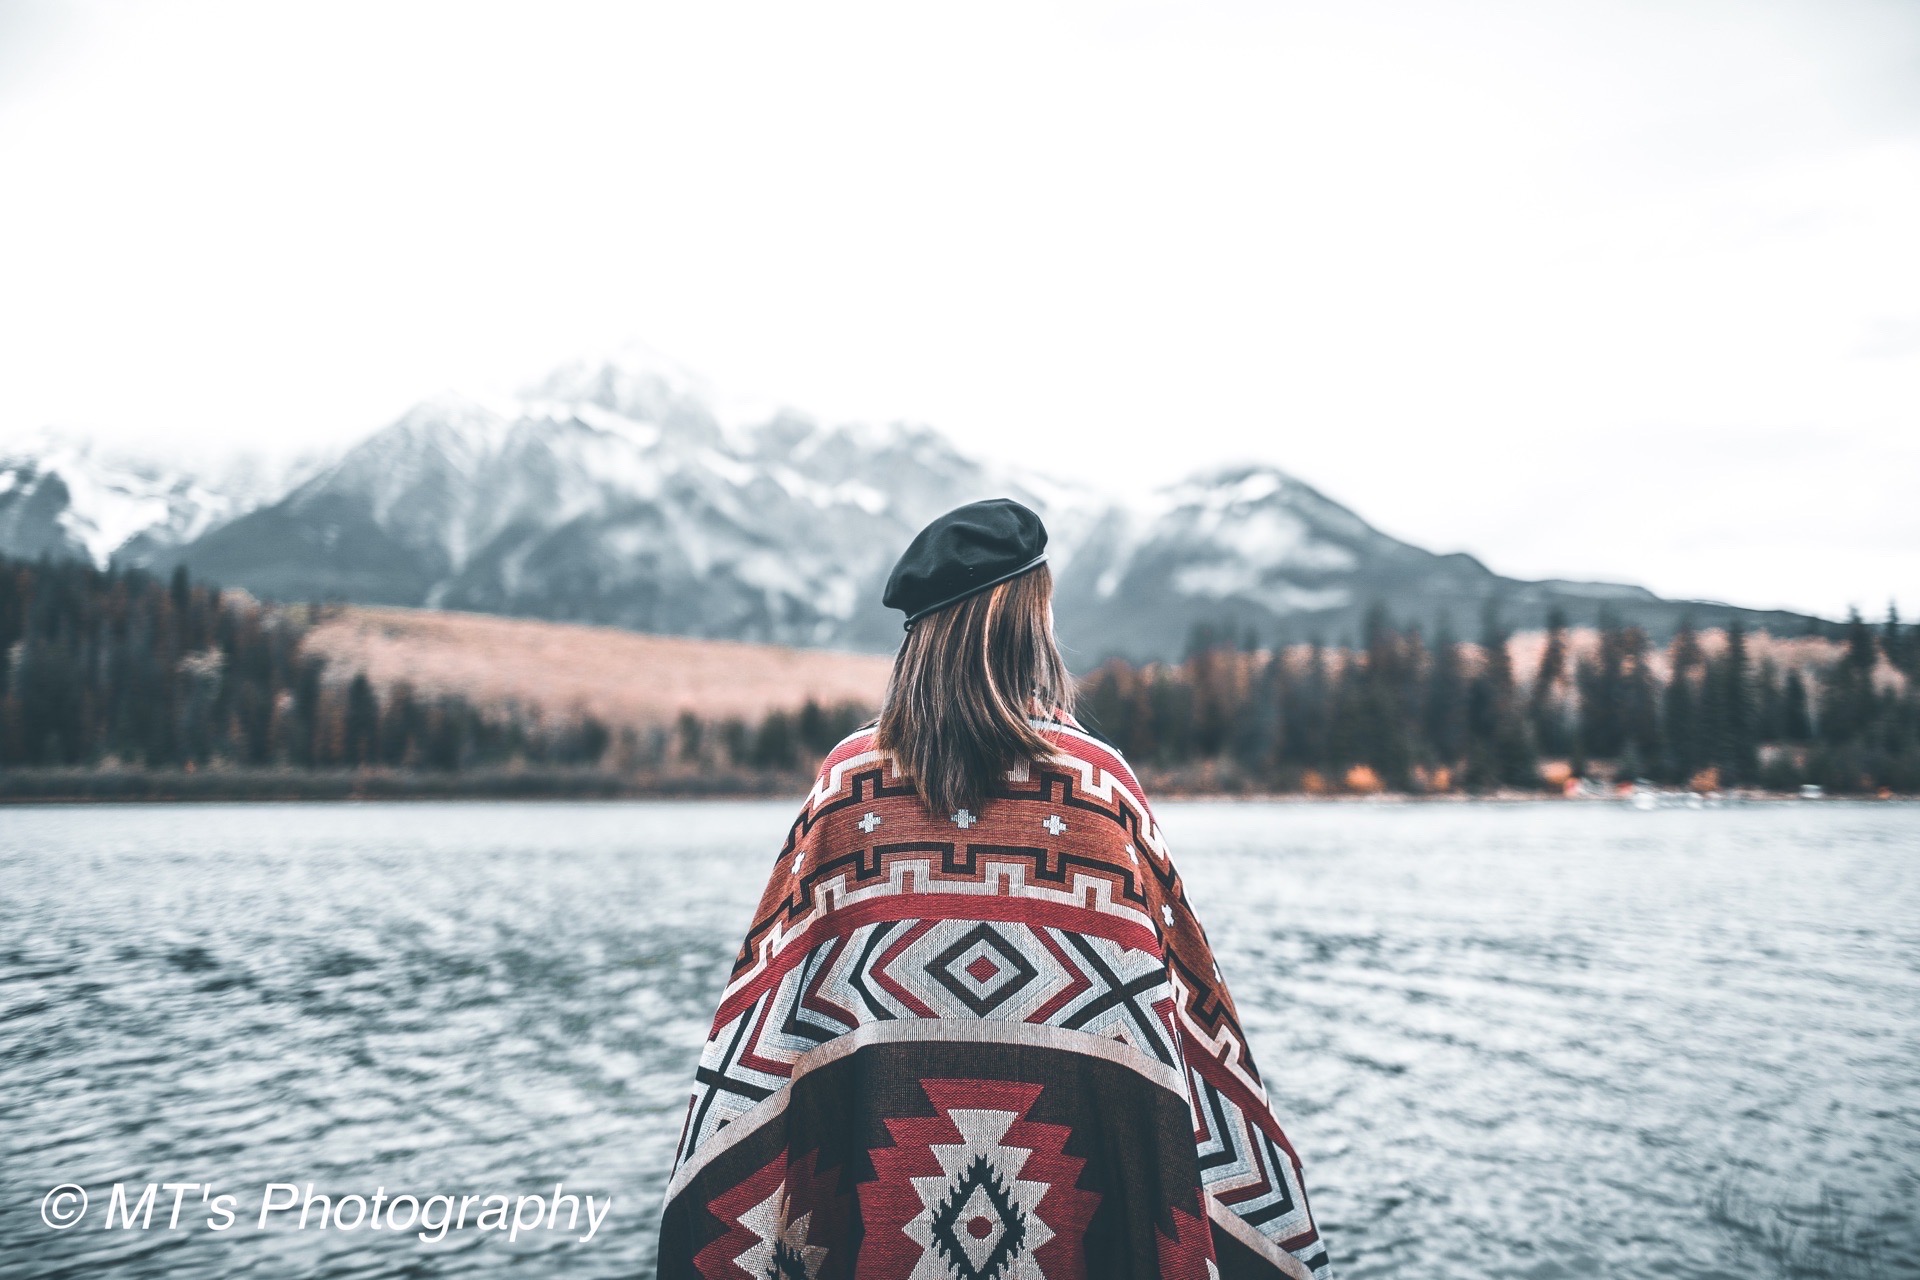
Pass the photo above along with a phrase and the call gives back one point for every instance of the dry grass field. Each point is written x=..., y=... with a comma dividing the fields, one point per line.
x=1805, y=654
x=628, y=678
x=563, y=669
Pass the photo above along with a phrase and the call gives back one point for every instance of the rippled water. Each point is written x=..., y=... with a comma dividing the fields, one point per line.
x=1530, y=1041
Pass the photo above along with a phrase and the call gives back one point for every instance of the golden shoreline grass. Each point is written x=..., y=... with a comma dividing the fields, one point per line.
x=563, y=670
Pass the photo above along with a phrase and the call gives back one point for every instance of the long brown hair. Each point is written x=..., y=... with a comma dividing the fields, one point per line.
x=964, y=686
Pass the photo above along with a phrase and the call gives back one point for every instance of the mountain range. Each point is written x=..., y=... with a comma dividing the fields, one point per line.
x=613, y=492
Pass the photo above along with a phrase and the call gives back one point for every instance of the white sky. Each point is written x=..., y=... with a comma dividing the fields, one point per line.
x=1605, y=290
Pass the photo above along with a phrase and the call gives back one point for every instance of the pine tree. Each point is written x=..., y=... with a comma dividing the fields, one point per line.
x=1734, y=750
x=1640, y=694
x=1602, y=728
x=1210, y=679
x=1847, y=702
x=1551, y=730
x=1316, y=711
x=399, y=727
x=1380, y=702
x=1769, y=719
x=1171, y=700
x=1257, y=722
x=363, y=722
x=1897, y=642
x=1685, y=752
x=1446, y=699
x=1796, y=715
x=1498, y=750
x=1619, y=718
x=691, y=733
x=774, y=746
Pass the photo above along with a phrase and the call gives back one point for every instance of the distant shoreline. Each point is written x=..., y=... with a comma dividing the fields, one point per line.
x=214, y=786
x=109, y=786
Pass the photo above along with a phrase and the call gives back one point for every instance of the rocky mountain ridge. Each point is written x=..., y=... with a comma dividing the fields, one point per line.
x=613, y=492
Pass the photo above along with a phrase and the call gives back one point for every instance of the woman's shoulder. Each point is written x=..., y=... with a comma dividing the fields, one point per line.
x=1082, y=744
x=854, y=747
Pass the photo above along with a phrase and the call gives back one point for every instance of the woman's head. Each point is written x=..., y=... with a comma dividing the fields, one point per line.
x=966, y=682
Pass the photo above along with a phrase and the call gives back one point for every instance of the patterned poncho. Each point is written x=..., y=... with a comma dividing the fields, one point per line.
x=983, y=1046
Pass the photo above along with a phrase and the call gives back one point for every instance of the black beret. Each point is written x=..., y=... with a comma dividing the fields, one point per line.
x=966, y=550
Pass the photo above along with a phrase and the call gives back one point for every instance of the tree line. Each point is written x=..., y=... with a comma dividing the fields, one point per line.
x=1399, y=712
x=117, y=667
x=106, y=667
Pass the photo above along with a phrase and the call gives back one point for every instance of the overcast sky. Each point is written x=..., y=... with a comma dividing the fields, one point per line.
x=1615, y=290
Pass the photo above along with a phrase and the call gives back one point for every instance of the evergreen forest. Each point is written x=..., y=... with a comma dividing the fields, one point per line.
x=117, y=669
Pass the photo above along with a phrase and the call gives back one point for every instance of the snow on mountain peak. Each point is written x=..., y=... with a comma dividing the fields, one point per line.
x=447, y=430
x=1226, y=487
x=1233, y=493
x=453, y=418
x=618, y=491
x=639, y=383
x=62, y=489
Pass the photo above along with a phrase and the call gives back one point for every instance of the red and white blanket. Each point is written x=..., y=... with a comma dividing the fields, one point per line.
x=981, y=1047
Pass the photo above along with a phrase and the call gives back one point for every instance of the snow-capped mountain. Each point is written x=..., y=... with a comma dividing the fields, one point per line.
x=613, y=493
x=66, y=496
x=616, y=492
x=1252, y=550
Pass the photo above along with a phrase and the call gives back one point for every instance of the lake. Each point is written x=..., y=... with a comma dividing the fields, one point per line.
x=1509, y=1040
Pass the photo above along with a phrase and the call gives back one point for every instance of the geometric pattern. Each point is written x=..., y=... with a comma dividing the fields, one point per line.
x=772, y=1232
x=780, y=1250
x=1249, y=1170
x=982, y=969
x=900, y=969
x=978, y=1192
x=1057, y=905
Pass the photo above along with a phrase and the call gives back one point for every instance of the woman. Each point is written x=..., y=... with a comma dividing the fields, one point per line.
x=975, y=1032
